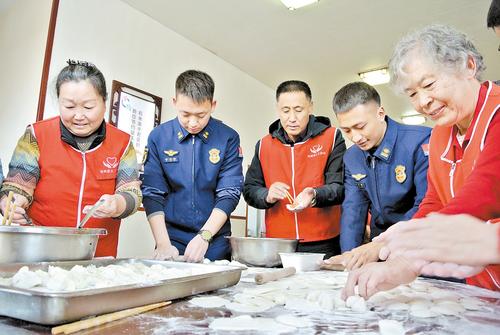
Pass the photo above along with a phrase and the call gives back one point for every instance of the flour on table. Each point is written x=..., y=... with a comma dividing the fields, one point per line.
x=247, y=323
x=209, y=302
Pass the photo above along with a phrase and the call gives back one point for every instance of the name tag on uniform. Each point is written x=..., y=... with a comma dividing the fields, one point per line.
x=172, y=159
x=172, y=156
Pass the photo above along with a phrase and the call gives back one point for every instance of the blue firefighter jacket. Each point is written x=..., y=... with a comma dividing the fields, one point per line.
x=186, y=176
x=390, y=183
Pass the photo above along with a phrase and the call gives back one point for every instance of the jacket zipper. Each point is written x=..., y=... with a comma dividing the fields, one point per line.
x=292, y=148
x=192, y=174
x=82, y=187
x=372, y=163
x=452, y=172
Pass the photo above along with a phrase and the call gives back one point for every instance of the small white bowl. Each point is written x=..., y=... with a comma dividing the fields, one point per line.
x=302, y=261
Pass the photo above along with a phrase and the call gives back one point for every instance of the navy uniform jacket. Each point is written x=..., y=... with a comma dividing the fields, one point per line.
x=391, y=182
x=187, y=176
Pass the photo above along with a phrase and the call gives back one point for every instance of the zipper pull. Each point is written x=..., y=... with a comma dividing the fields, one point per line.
x=452, y=171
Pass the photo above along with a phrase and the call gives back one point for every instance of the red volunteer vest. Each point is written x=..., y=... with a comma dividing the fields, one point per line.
x=71, y=179
x=299, y=166
x=449, y=176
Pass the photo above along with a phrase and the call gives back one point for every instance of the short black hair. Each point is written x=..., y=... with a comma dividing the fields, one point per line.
x=353, y=94
x=293, y=86
x=493, y=18
x=196, y=85
x=77, y=70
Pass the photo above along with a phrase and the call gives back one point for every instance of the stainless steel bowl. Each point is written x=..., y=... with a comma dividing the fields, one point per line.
x=302, y=261
x=23, y=244
x=264, y=252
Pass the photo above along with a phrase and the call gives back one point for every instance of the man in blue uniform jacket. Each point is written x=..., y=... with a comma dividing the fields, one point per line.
x=385, y=171
x=192, y=176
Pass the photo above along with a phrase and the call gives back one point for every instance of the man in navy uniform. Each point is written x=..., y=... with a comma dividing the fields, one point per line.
x=192, y=176
x=385, y=171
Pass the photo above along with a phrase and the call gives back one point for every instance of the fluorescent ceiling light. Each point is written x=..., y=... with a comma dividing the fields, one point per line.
x=295, y=4
x=413, y=118
x=375, y=77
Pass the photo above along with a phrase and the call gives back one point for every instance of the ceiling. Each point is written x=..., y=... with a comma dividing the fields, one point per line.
x=325, y=44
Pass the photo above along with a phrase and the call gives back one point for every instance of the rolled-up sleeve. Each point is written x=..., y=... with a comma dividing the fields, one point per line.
x=230, y=179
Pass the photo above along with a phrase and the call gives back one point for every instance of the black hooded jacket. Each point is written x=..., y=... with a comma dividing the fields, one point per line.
x=332, y=193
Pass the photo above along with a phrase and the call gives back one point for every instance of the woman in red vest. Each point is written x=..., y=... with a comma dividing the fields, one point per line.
x=439, y=69
x=63, y=165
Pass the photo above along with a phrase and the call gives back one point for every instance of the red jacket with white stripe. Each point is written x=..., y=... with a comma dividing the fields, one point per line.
x=449, y=177
x=299, y=165
x=71, y=179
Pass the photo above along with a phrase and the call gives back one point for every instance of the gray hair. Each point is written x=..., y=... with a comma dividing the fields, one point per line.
x=196, y=85
x=443, y=45
x=79, y=71
x=353, y=94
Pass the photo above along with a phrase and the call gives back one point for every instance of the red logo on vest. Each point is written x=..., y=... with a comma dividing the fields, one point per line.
x=110, y=162
x=316, y=151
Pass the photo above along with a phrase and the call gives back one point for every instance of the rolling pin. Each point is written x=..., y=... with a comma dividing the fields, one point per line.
x=105, y=318
x=262, y=278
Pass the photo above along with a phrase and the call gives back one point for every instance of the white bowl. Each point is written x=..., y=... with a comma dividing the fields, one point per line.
x=302, y=261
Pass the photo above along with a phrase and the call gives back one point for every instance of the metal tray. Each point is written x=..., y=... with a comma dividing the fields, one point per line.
x=55, y=308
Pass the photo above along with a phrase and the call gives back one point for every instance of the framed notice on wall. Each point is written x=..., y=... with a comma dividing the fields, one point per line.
x=136, y=112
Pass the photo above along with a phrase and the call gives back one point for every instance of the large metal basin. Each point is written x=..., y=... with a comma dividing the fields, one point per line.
x=263, y=252
x=23, y=244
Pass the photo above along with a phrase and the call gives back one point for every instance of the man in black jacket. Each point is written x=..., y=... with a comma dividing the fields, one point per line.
x=297, y=173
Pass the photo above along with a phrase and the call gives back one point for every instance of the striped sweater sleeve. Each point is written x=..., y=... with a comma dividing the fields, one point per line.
x=127, y=181
x=24, y=171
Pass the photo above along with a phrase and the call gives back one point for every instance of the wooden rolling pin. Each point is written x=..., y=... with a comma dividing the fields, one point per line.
x=262, y=278
x=105, y=318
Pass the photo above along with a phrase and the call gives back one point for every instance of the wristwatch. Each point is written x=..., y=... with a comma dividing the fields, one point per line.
x=206, y=235
x=313, y=201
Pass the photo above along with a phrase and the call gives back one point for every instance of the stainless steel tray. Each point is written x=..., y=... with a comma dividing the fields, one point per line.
x=56, y=308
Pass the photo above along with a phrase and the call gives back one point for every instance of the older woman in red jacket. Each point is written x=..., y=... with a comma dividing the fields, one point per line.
x=439, y=69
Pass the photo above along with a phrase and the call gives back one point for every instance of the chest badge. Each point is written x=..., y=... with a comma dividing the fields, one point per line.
x=214, y=156
x=171, y=153
x=400, y=173
x=358, y=176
